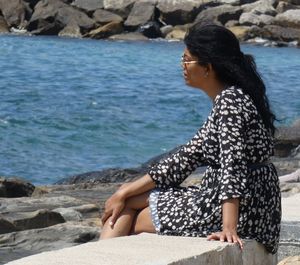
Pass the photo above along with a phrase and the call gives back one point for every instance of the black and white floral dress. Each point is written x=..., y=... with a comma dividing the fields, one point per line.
x=234, y=144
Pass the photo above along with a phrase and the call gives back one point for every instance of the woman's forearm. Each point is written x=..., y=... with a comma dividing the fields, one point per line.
x=137, y=187
x=230, y=213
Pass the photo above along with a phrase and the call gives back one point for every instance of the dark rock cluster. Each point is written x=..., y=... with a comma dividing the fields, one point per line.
x=256, y=20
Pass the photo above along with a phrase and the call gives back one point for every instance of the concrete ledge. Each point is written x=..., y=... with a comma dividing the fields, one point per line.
x=152, y=249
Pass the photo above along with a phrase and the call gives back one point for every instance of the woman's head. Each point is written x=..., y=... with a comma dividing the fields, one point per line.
x=216, y=49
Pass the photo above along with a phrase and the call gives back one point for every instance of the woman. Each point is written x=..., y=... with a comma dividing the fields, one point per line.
x=239, y=196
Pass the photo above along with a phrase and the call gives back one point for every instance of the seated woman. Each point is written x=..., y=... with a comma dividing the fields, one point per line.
x=239, y=196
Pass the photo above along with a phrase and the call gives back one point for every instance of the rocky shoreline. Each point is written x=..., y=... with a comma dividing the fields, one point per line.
x=267, y=22
x=37, y=219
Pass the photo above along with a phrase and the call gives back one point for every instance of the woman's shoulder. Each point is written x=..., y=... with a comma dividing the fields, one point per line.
x=232, y=95
x=234, y=100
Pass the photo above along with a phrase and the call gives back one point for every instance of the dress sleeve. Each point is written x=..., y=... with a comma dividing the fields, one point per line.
x=232, y=124
x=173, y=170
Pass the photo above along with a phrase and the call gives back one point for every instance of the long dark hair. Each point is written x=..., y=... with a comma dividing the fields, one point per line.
x=217, y=45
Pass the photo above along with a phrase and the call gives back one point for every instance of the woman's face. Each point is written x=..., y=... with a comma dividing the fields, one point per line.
x=194, y=74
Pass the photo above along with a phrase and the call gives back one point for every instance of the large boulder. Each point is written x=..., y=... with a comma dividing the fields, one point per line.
x=31, y=220
x=266, y=7
x=43, y=20
x=290, y=18
x=251, y=18
x=3, y=25
x=15, y=187
x=88, y=5
x=284, y=6
x=140, y=14
x=150, y=30
x=175, y=12
x=178, y=33
x=105, y=31
x=14, y=12
x=51, y=16
x=219, y=14
x=72, y=30
x=103, y=17
x=120, y=7
x=279, y=33
x=68, y=15
x=241, y=32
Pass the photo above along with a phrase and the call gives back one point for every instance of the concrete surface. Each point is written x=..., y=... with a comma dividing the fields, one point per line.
x=151, y=249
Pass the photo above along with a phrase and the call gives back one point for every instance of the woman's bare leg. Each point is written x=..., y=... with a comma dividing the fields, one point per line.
x=123, y=224
x=142, y=222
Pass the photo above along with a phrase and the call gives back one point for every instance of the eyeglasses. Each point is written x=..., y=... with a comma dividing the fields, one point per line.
x=184, y=61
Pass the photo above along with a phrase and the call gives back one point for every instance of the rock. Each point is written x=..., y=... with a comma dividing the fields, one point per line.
x=292, y=177
x=150, y=30
x=165, y=30
x=20, y=244
x=3, y=25
x=32, y=220
x=140, y=14
x=12, y=205
x=88, y=5
x=241, y=32
x=6, y=226
x=104, y=176
x=290, y=18
x=68, y=16
x=14, y=187
x=230, y=2
x=105, y=31
x=72, y=30
x=284, y=6
x=174, y=12
x=120, y=7
x=219, y=14
x=131, y=36
x=286, y=138
x=176, y=33
x=295, y=260
x=103, y=17
x=51, y=16
x=14, y=12
x=69, y=214
x=252, y=18
x=261, y=7
x=289, y=189
x=231, y=23
x=279, y=33
x=289, y=244
x=43, y=20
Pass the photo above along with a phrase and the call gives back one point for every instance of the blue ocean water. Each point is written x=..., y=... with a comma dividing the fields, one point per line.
x=70, y=106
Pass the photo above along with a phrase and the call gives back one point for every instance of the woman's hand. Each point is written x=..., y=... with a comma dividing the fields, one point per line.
x=113, y=207
x=227, y=235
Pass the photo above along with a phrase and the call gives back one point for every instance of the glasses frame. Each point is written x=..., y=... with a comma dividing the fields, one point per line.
x=184, y=62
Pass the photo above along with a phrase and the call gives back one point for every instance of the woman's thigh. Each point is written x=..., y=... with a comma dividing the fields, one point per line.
x=143, y=222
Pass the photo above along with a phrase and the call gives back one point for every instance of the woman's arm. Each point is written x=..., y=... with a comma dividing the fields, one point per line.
x=116, y=203
x=137, y=187
x=230, y=214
